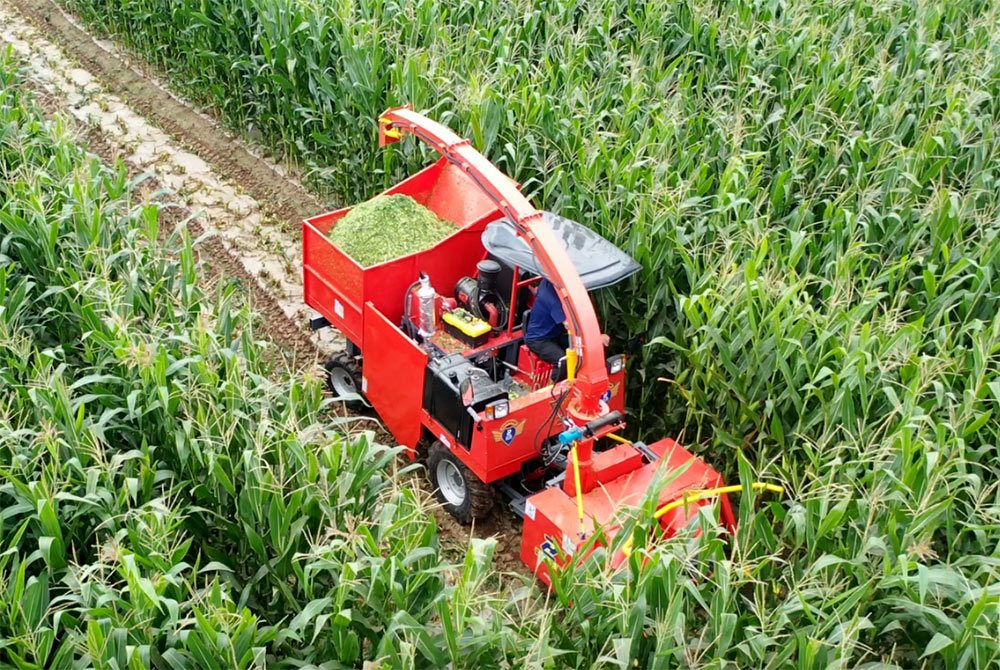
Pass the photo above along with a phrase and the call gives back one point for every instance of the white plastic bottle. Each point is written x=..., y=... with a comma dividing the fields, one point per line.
x=427, y=297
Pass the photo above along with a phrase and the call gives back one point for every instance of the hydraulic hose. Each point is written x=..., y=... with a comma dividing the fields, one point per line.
x=699, y=494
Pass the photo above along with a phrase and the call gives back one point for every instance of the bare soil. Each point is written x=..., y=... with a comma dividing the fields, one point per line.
x=230, y=157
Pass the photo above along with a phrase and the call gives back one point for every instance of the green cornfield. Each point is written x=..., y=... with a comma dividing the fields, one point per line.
x=164, y=502
x=812, y=189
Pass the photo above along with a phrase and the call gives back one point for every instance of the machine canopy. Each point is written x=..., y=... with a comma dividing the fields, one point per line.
x=598, y=262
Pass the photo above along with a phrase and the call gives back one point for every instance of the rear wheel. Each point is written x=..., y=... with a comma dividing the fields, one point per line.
x=458, y=489
x=343, y=378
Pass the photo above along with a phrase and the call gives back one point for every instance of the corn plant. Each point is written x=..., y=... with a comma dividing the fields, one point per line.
x=811, y=188
x=169, y=499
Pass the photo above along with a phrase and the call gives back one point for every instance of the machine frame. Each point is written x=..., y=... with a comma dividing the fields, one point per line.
x=584, y=412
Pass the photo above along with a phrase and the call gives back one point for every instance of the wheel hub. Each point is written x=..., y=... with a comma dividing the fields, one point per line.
x=342, y=382
x=451, y=482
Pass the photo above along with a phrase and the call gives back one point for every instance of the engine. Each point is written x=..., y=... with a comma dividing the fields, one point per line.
x=480, y=295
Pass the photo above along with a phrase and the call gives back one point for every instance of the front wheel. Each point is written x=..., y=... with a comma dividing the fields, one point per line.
x=343, y=378
x=458, y=489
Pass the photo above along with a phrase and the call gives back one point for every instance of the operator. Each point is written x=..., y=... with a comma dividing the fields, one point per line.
x=546, y=334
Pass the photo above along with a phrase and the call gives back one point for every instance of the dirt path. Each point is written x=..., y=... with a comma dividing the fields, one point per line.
x=265, y=181
x=249, y=208
x=245, y=235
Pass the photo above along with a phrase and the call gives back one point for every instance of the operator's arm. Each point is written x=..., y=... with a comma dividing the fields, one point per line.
x=605, y=338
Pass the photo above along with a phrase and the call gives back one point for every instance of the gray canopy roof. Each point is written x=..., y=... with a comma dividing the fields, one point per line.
x=598, y=262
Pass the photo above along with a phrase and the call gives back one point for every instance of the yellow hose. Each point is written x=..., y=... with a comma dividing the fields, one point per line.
x=389, y=131
x=694, y=496
x=698, y=494
x=579, y=494
x=618, y=438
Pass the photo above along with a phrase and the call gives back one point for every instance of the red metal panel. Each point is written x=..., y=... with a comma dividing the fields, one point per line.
x=420, y=185
x=552, y=522
x=629, y=490
x=551, y=529
x=445, y=263
x=502, y=445
x=457, y=198
x=615, y=462
x=490, y=456
x=337, y=286
x=393, y=376
x=333, y=281
x=521, y=427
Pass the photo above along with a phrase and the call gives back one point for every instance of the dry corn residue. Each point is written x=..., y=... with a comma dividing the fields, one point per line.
x=387, y=227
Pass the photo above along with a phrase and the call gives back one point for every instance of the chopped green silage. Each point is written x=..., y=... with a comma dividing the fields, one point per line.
x=387, y=227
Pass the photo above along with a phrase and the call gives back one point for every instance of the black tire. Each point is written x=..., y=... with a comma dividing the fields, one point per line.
x=343, y=376
x=461, y=493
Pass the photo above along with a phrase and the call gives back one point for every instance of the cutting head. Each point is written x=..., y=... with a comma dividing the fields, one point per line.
x=554, y=530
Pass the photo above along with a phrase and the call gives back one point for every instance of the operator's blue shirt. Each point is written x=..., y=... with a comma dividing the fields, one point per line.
x=547, y=316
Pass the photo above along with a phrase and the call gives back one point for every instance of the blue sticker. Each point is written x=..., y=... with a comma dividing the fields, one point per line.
x=509, y=431
x=550, y=548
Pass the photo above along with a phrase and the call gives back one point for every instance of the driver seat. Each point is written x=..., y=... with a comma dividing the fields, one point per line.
x=538, y=370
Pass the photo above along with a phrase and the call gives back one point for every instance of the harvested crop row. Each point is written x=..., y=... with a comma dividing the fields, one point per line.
x=387, y=227
x=165, y=502
x=241, y=229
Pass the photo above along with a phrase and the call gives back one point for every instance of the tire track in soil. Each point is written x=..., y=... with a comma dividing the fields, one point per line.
x=276, y=192
x=287, y=198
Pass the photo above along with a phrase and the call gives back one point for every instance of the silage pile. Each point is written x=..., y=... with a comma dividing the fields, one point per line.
x=387, y=227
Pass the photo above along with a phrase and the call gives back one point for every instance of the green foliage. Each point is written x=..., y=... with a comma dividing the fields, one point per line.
x=812, y=143
x=811, y=188
x=167, y=500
